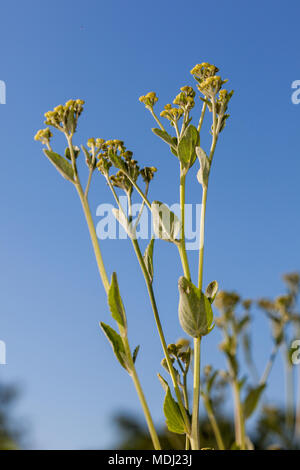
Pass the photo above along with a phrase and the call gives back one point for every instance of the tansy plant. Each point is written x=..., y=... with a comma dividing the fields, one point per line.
x=122, y=173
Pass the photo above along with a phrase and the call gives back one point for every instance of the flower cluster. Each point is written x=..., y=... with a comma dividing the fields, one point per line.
x=171, y=113
x=65, y=117
x=185, y=100
x=208, y=82
x=149, y=100
x=147, y=173
x=44, y=136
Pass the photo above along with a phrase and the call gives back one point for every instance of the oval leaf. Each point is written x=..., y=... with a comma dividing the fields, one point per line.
x=211, y=291
x=252, y=399
x=166, y=224
x=115, y=303
x=61, y=164
x=117, y=344
x=148, y=259
x=187, y=145
x=195, y=312
x=173, y=415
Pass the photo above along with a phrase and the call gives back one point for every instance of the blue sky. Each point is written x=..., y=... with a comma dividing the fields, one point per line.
x=109, y=53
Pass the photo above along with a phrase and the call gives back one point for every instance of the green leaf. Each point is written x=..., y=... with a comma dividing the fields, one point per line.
x=116, y=160
x=135, y=353
x=121, y=218
x=88, y=156
x=163, y=135
x=203, y=172
x=252, y=399
x=148, y=259
x=117, y=344
x=186, y=147
x=211, y=291
x=195, y=312
x=61, y=164
x=163, y=382
x=115, y=303
x=172, y=141
x=173, y=415
x=166, y=224
x=76, y=151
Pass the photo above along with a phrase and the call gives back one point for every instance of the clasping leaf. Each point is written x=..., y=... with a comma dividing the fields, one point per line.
x=195, y=312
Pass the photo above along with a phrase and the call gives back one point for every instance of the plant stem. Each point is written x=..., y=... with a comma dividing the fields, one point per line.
x=214, y=424
x=201, y=245
x=156, y=315
x=104, y=278
x=195, y=437
x=160, y=332
x=197, y=341
x=187, y=407
x=141, y=396
x=269, y=365
x=181, y=246
x=93, y=235
x=238, y=416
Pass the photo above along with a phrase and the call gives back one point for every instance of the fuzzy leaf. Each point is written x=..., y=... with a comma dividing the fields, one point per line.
x=186, y=147
x=121, y=218
x=172, y=141
x=163, y=382
x=252, y=399
x=117, y=344
x=211, y=291
x=61, y=164
x=166, y=224
x=203, y=172
x=195, y=312
x=173, y=415
x=163, y=135
x=148, y=258
x=115, y=303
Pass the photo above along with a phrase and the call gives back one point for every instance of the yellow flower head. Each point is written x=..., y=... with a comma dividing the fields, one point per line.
x=149, y=100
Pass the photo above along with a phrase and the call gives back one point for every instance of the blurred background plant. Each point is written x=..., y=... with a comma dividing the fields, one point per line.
x=274, y=426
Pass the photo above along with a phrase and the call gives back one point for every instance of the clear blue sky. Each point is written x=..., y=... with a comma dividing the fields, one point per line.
x=109, y=53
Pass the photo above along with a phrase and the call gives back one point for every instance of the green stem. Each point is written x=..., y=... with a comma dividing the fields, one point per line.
x=201, y=244
x=202, y=117
x=238, y=416
x=105, y=282
x=187, y=406
x=269, y=365
x=181, y=245
x=141, y=396
x=93, y=235
x=214, y=424
x=156, y=315
x=195, y=437
x=197, y=341
x=160, y=332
